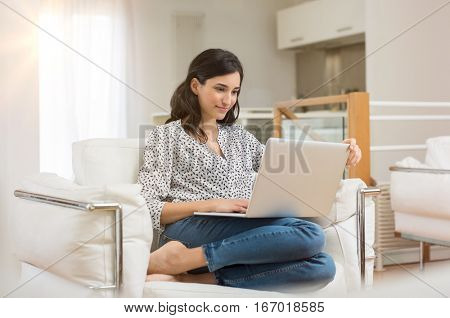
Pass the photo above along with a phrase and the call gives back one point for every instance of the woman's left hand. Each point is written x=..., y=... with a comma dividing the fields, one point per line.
x=354, y=152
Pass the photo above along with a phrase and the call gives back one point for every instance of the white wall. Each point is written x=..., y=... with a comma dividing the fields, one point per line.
x=247, y=28
x=19, y=128
x=413, y=67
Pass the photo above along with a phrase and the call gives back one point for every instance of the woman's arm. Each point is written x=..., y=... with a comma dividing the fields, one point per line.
x=256, y=148
x=156, y=172
x=172, y=212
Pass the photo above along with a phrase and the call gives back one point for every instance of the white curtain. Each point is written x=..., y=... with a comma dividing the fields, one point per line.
x=77, y=99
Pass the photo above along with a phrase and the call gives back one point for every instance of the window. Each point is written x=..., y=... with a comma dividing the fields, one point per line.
x=78, y=99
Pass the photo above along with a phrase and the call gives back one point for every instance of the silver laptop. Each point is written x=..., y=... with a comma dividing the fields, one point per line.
x=295, y=179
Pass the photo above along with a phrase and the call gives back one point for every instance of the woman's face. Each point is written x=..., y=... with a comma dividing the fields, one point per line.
x=217, y=96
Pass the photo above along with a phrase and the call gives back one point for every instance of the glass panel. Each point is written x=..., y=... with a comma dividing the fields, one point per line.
x=331, y=129
x=261, y=128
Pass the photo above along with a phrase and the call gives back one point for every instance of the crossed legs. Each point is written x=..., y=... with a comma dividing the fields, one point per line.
x=242, y=253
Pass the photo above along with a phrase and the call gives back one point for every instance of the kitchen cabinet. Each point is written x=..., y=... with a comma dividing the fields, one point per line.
x=318, y=21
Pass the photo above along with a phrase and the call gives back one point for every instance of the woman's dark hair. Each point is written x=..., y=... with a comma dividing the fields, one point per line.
x=184, y=103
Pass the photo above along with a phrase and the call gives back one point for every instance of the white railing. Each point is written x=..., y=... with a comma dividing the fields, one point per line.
x=409, y=117
x=409, y=104
x=395, y=104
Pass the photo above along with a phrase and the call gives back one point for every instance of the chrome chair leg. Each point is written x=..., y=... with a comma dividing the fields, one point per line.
x=421, y=256
x=360, y=227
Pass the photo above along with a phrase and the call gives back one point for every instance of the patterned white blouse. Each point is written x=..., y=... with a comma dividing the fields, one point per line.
x=178, y=168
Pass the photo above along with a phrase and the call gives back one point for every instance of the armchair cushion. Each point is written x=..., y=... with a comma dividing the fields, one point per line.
x=74, y=244
x=106, y=161
x=438, y=152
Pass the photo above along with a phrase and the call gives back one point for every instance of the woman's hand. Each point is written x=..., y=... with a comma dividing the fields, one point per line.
x=354, y=152
x=229, y=205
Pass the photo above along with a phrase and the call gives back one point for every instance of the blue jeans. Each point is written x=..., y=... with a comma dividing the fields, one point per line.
x=257, y=253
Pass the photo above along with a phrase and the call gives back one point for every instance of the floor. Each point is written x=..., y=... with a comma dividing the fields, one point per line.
x=408, y=281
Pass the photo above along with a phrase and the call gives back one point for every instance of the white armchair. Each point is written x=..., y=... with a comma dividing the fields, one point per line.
x=420, y=196
x=91, y=237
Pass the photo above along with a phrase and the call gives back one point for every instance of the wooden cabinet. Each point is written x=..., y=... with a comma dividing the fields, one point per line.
x=320, y=20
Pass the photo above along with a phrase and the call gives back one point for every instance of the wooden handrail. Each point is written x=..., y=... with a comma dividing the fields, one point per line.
x=314, y=101
x=358, y=124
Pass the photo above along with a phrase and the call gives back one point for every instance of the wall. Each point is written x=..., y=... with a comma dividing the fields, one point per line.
x=19, y=128
x=413, y=67
x=247, y=28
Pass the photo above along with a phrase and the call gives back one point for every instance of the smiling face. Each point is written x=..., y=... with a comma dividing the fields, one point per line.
x=217, y=95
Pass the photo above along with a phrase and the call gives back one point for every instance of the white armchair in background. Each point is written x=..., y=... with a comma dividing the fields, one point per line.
x=91, y=237
x=420, y=196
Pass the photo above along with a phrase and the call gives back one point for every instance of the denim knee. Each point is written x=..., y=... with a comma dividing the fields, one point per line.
x=316, y=236
x=320, y=236
x=327, y=271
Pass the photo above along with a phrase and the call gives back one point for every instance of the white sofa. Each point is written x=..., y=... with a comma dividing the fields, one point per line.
x=420, y=195
x=91, y=237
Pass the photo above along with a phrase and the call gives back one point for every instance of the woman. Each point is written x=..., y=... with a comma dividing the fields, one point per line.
x=200, y=161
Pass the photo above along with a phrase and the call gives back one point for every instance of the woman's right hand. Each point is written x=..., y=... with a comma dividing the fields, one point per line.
x=229, y=205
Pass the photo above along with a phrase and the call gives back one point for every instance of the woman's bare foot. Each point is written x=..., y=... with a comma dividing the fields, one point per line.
x=175, y=258
x=161, y=278
x=207, y=278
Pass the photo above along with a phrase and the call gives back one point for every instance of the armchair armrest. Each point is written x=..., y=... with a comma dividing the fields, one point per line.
x=419, y=170
x=54, y=218
x=112, y=207
x=420, y=191
x=352, y=212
